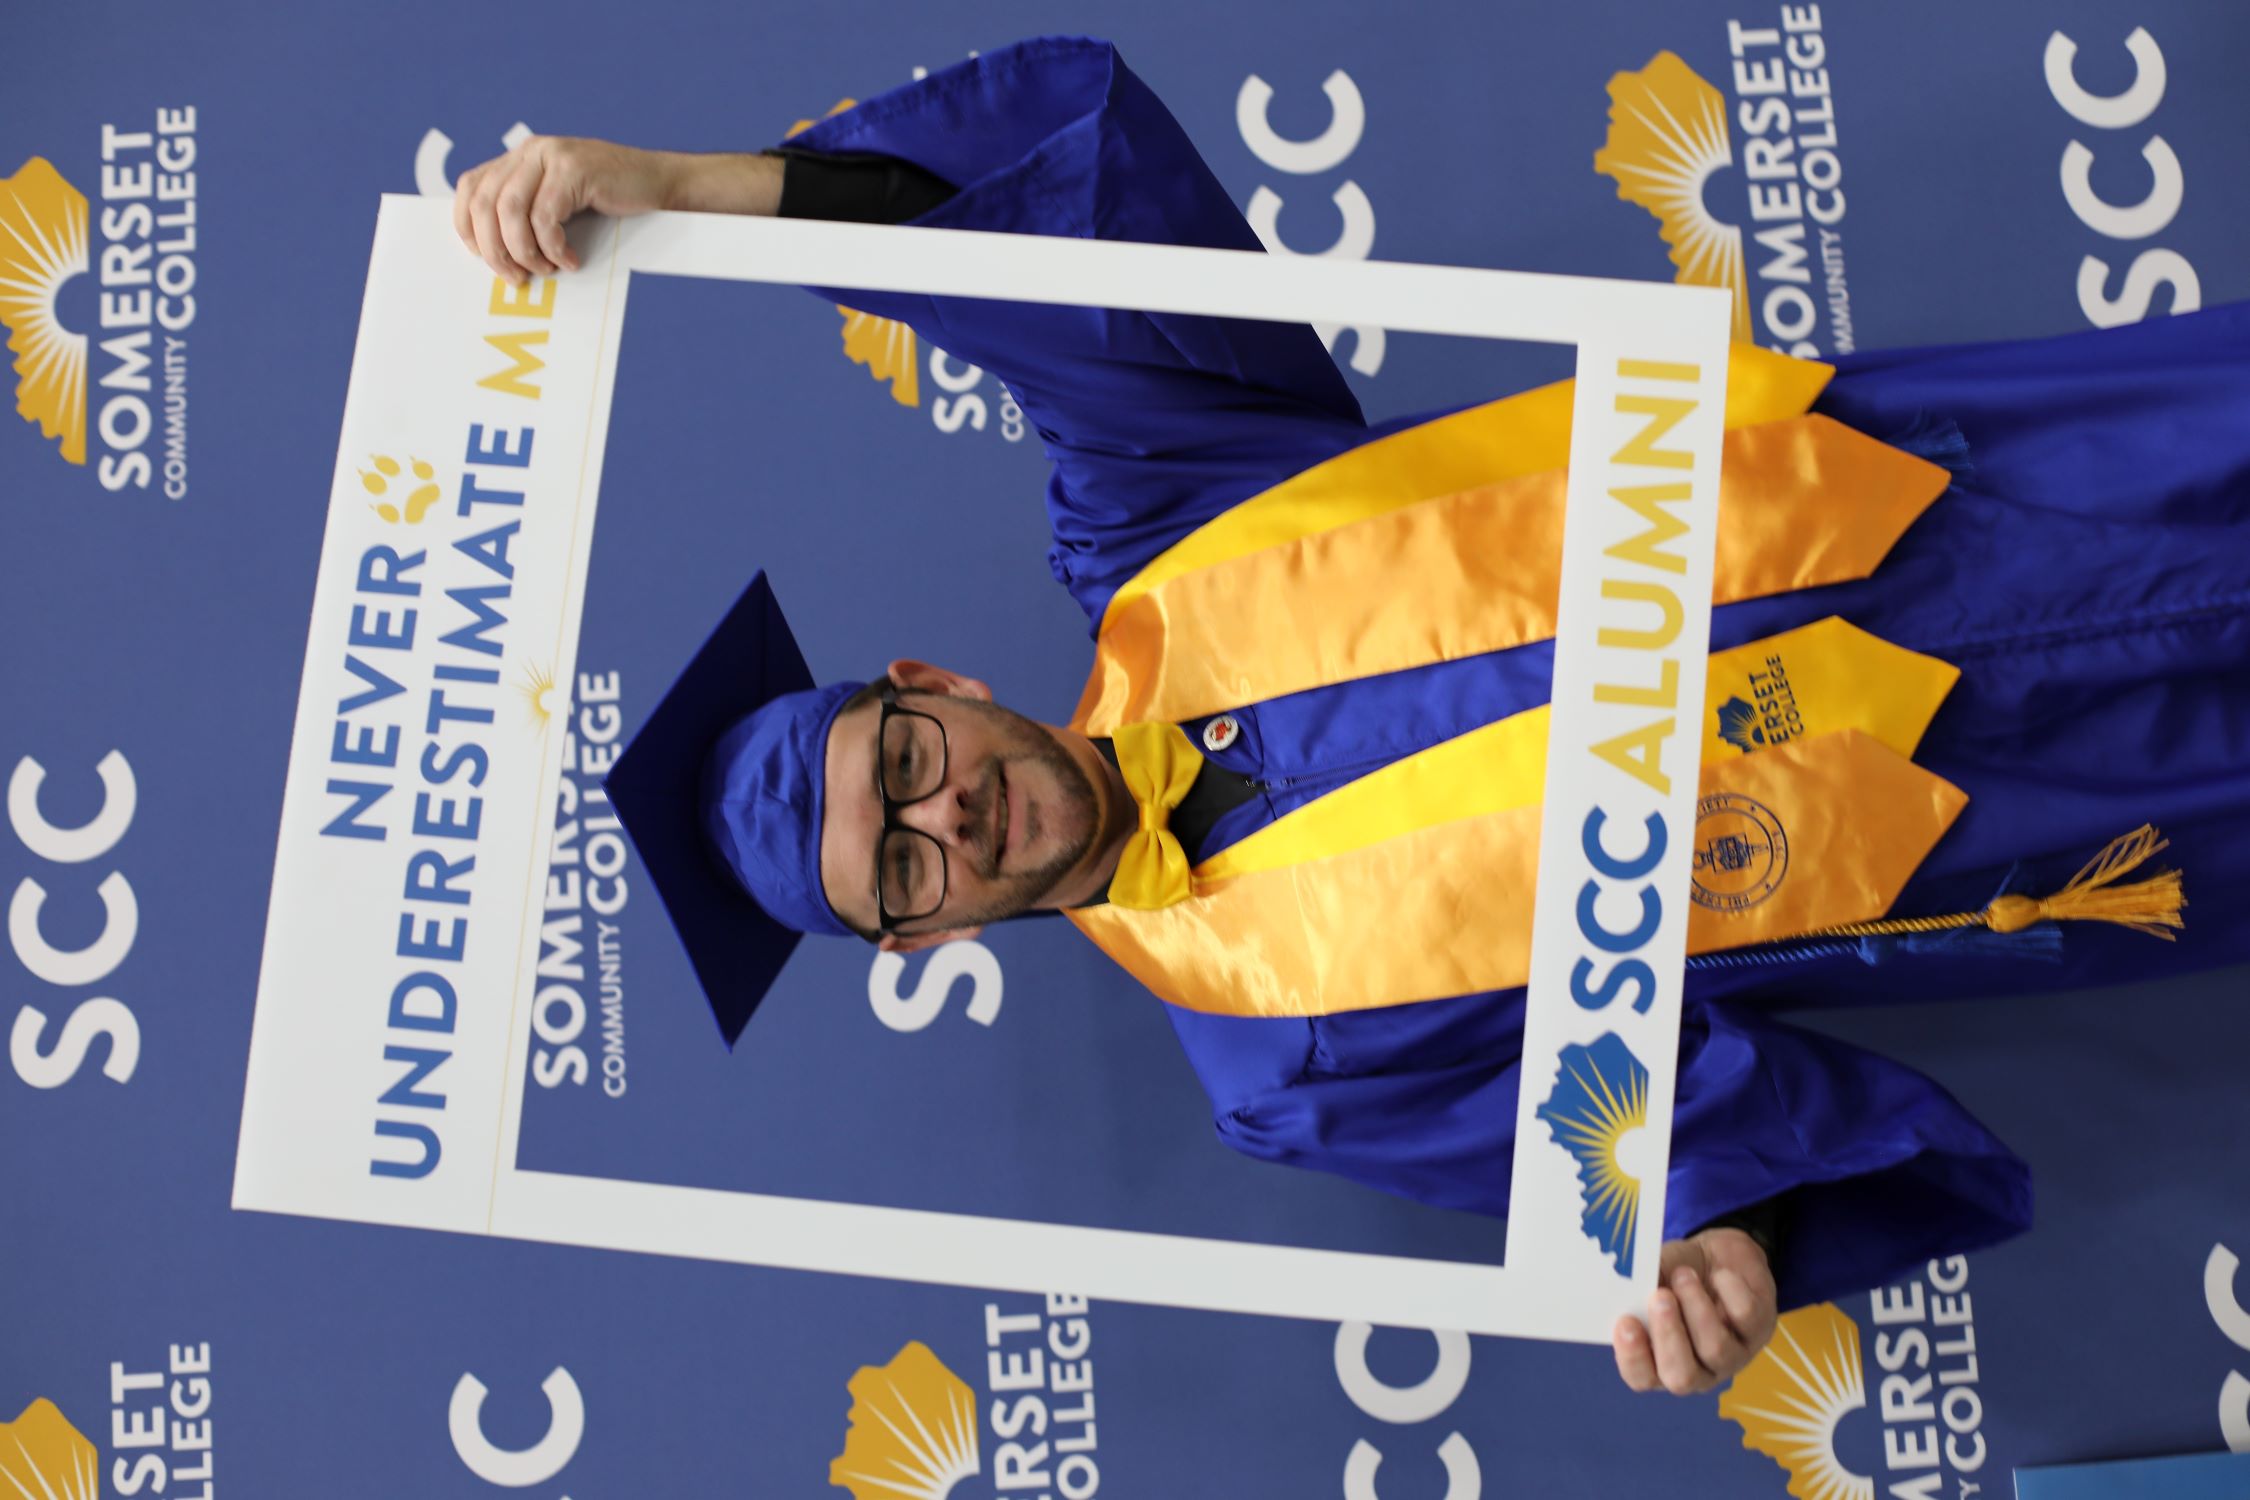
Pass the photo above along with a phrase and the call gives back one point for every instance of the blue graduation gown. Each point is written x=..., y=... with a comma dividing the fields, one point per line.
x=2085, y=572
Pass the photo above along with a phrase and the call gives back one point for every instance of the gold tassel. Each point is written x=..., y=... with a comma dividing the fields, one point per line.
x=2151, y=906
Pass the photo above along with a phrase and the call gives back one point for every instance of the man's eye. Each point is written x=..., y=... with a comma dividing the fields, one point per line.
x=902, y=868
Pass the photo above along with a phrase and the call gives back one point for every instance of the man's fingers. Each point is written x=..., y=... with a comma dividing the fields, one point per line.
x=1735, y=1296
x=1716, y=1346
x=513, y=208
x=464, y=189
x=484, y=210
x=550, y=209
x=1751, y=1314
x=1676, y=1365
x=1636, y=1363
x=482, y=224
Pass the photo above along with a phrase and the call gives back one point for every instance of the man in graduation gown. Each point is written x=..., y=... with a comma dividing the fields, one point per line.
x=2047, y=653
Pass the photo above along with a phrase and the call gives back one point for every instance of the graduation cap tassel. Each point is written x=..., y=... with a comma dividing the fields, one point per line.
x=2093, y=895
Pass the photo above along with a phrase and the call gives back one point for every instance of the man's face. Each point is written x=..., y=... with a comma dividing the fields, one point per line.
x=1013, y=815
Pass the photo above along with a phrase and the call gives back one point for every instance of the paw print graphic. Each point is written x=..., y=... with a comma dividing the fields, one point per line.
x=418, y=503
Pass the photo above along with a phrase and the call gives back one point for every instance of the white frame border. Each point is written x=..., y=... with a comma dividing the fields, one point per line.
x=1554, y=1283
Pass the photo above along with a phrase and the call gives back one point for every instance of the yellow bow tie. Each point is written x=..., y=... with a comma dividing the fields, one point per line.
x=1159, y=765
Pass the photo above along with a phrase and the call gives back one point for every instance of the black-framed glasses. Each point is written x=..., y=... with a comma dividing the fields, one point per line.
x=910, y=760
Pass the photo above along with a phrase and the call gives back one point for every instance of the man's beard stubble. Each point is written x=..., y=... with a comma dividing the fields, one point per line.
x=1075, y=819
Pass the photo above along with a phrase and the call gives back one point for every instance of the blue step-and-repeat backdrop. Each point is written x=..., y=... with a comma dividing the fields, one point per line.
x=180, y=340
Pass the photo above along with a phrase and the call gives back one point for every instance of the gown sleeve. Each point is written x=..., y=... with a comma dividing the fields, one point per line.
x=1882, y=1168
x=1154, y=422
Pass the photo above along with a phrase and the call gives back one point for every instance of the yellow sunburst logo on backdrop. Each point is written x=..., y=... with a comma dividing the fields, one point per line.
x=884, y=345
x=43, y=245
x=42, y=1455
x=1667, y=135
x=913, y=1430
x=1790, y=1398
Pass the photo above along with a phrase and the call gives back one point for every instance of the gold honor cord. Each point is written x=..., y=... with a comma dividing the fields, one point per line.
x=2152, y=905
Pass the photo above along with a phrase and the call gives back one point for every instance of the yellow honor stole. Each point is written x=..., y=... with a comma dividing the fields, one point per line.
x=1415, y=882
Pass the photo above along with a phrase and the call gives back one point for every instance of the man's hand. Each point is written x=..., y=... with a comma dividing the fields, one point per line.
x=510, y=211
x=1712, y=1311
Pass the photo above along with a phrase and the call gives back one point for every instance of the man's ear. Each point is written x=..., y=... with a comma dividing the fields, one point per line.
x=915, y=942
x=924, y=678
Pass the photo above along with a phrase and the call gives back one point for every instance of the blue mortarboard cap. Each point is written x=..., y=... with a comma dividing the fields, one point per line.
x=721, y=791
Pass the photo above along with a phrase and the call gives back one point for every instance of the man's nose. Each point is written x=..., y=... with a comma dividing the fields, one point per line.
x=945, y=815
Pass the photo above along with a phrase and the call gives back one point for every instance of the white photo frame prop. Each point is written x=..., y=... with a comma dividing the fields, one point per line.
x=370, y=814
